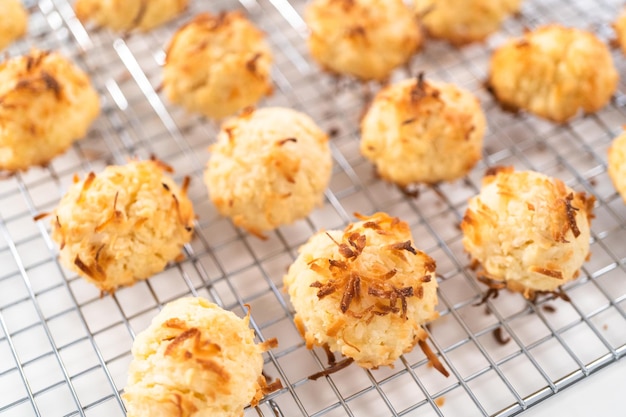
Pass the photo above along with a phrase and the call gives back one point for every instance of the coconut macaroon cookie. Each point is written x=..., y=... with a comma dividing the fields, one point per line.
x=195, y=359
x=619, y=26
x=269, y=167
x=217, y=65
x=365, y=291
x=47, y=104
x=553, y=72
x=527, y=231
x=366, y=39
x=461, y=21
x=617, y=164
x=13, y=21
x=124, y=15
x=418, y=131
x=123, y=224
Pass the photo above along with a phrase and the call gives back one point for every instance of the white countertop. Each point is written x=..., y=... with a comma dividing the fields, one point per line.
x=601, y=394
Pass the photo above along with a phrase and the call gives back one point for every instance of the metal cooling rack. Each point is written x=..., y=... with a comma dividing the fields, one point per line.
x=64, y=350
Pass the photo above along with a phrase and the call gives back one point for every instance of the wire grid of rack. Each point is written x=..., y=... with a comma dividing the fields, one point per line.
x=64, y=349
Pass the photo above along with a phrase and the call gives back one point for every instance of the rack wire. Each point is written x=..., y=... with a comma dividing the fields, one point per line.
x=64, y=349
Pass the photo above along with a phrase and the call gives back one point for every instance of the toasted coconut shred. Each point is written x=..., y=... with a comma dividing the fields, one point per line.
x=365, y=292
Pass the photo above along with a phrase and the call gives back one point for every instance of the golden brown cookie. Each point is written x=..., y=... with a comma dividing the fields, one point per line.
x=125, y=15
x=47, y=103
x=366, y=39
x=619, y=26
x=217, y=65
x=617, y=164
x=13, y=21
x=418, y=131
x=464, y=21
x=269, y=167
x=195, y=359
x=553, y=72
x=365, y=291
x=123, y=224
x=528, y=231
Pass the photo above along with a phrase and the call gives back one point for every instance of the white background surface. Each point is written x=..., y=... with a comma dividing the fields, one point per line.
x=601, y=394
